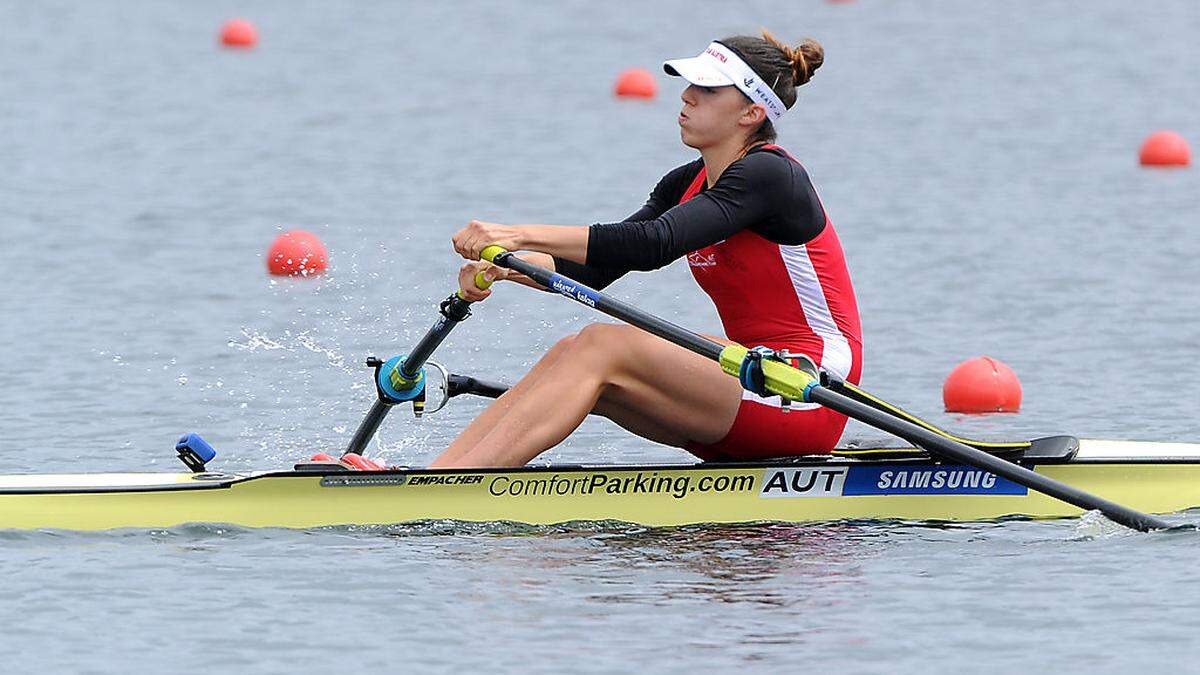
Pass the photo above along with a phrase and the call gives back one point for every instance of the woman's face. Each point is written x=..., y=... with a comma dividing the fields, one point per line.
x=711, y=115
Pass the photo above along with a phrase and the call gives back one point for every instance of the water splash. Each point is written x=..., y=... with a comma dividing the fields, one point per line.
x=334, y=357
x=1095, y=525
x=290, y=342
x=255, y=341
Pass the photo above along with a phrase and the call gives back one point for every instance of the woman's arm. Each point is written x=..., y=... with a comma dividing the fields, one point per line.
x=568, y=242
x=563, y=249
x=541, y=260
x=466, y=275
x=596, y=277
x=564, y=241
x=762, y=191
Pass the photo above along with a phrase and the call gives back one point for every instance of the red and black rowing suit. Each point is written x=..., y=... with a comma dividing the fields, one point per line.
x=761, y=246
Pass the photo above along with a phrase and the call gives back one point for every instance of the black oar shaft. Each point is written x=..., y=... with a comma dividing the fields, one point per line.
x=935, y=444
x=957, y=452
x=612, y=307
x=454, y=310
x=368, y=427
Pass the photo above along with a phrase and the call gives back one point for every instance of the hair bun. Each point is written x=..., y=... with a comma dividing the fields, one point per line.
x=805, y=59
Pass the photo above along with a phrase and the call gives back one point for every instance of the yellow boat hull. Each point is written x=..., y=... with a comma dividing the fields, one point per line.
x=658, y=495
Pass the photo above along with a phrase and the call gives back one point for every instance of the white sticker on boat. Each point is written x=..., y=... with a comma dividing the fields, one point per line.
x=814, y=482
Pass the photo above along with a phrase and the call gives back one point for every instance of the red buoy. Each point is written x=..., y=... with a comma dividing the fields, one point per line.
x=1165, y=148
x=297, y=253
x=980, y=385
x=637, y=83
x=239, y=33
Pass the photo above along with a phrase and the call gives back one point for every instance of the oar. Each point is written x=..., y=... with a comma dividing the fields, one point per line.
x=402, y=378
x=1047, y=447
x=457, y=385
x=853, y=392
x=798, y=385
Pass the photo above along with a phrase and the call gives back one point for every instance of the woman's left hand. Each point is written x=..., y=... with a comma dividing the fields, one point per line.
x=470, y=241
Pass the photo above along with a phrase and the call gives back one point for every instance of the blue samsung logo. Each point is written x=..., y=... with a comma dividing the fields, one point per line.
x=927, y=480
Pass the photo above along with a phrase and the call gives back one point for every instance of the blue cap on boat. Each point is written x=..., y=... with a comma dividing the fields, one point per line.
x=194, y=451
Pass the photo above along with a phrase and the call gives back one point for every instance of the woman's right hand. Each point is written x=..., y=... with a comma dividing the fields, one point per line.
x=466, y=279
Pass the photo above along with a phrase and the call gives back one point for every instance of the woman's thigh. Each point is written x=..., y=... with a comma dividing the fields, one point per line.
x=660, y=390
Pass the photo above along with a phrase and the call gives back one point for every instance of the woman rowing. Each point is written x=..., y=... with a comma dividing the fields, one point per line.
x=758, y=242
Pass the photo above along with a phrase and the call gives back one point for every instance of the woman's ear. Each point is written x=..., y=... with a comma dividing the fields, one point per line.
x=753, y=116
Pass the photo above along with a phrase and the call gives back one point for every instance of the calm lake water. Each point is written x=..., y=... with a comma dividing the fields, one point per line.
x=979, y=162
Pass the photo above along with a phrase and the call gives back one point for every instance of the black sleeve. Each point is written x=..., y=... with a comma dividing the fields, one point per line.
x=762, y=190
x=665, y=194
x=588, y=275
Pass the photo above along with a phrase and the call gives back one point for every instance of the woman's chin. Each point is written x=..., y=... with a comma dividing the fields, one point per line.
x=688, y=139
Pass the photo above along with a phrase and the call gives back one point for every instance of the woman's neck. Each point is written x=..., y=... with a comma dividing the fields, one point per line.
x=717, y=158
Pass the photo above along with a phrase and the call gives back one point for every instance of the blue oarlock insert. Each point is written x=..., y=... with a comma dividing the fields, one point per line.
x=195, y=452
x=397, y=386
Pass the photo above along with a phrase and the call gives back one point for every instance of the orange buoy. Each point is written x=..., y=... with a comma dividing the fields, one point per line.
x=637, y=83
x=980, y=385
x=239, y=33
x=297, y=253
x=1165, y=148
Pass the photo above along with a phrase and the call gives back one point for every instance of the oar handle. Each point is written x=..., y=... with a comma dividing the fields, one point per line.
x=489, y=253
x=481, y=282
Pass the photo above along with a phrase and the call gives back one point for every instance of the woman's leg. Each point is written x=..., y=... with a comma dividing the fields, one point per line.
x=642, y=382
x=628, y=418
x=494, y=413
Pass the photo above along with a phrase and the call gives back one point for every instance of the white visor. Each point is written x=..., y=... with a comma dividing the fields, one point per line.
x=719, y=66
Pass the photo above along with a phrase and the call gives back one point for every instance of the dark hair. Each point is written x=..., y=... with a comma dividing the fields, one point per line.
x=784, y=67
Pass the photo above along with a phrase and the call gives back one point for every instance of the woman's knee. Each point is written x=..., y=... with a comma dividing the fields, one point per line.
x=584, y=347
x=598, y=347
x=605, y=336
x=564, y=344
x=553, y=356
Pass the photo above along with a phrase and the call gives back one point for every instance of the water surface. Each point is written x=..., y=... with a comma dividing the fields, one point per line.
x=979, y=162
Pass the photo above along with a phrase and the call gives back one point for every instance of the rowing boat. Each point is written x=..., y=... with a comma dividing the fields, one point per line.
x=941, y=476
x=854, y=483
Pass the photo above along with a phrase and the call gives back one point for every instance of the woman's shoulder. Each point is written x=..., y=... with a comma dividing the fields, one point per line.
x=685, y=171
x=772, y=170
x=769, y=161
x=772, y=178
x=676, y=181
